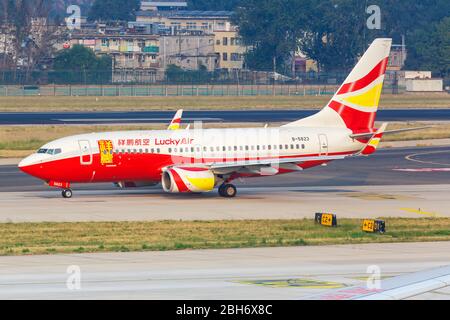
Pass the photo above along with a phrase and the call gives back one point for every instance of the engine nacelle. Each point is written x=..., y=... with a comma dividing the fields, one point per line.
x=183, y=180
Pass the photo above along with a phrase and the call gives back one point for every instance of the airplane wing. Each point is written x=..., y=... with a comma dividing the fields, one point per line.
x=264, y=166
x=176, y=122
x=396, y=288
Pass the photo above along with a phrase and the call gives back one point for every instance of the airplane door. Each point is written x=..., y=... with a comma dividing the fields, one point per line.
x=85, y=152
x=323, y=143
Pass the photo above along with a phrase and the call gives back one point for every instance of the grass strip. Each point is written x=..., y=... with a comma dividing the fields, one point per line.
x=59, y=104
x=84, y=237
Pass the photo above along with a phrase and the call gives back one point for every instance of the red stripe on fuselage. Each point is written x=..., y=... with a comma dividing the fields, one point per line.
x=379, y=70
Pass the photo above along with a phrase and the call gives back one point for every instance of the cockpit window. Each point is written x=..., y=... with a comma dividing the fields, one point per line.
x=50, y=151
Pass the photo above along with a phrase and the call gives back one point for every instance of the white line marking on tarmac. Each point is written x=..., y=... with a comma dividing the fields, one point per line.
x=135, y=119
x=424, y=170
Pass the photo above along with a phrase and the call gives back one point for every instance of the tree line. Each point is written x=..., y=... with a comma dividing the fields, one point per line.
x=335, y=32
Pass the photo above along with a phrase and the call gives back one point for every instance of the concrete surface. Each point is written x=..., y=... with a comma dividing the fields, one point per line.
x=252, y=203
x=266, y=273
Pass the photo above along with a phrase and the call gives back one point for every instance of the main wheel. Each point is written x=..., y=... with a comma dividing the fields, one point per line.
x=227, y=191
x=67, y=193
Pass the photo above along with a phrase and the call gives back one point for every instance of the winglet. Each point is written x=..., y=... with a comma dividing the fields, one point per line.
x=373, y=143
x=176, y=122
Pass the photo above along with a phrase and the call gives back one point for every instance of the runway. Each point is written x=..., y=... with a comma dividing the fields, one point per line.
x=409, y=182
x=264, y=116
x=266, y=273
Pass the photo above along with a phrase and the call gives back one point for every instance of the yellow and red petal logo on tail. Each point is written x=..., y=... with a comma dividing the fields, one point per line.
x=368, y=99
x=374, y=74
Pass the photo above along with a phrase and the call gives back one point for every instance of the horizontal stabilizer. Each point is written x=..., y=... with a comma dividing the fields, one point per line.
x=370, y=134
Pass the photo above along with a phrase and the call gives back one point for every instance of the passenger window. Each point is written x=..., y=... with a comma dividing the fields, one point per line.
x=303, y=146
x=158, y=150
x=298, y=146
x=235, y=148
x=140, y=150
x=281, y=147
x=269, y=147
x=246, y=148
x=170, y=150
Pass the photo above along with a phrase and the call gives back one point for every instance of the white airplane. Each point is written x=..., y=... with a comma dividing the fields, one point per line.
x=197, y=160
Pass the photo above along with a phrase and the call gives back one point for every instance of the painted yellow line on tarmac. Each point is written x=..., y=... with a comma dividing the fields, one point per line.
x=412, y=156
x=419, y=211
x=295, y=283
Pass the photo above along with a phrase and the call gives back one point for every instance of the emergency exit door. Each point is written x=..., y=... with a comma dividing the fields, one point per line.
x=323, y=144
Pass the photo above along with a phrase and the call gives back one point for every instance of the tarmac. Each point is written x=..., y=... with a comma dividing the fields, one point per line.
x=242, y=274
x=40, y=118
x=403, y=182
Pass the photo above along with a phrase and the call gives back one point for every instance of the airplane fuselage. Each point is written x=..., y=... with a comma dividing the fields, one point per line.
x=141, y=156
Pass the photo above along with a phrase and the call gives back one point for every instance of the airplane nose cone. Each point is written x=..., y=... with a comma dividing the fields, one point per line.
x=24, y=165
x=28, y=165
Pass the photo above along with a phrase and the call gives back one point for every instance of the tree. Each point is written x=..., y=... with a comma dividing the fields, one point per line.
x=29, y=33
x=110, y=10
x=335, y=34
x=332, y=32
x=80, y=65
x=271, y=30
x=430, y=48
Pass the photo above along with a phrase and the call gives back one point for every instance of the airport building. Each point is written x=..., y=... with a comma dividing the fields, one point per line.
x=164, y=34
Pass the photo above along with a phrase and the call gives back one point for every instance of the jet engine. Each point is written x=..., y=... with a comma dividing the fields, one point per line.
x=184, y=180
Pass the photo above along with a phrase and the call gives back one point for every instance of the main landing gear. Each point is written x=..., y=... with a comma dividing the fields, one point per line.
x=227, y=191
x=67, y=193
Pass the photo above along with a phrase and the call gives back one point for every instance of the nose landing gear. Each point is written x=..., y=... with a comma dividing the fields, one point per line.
x=227, y=191
x=67, y=193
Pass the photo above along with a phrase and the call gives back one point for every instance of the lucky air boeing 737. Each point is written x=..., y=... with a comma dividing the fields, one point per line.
x=199, y=160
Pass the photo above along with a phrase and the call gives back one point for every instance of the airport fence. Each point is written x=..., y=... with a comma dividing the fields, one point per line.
x=168, y=90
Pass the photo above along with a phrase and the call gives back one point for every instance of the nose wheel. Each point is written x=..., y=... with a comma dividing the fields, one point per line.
x=67, y=193
x=227, y=191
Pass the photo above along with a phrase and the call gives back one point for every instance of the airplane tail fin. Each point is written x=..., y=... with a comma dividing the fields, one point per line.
x=176, y=122
x=355, y=104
